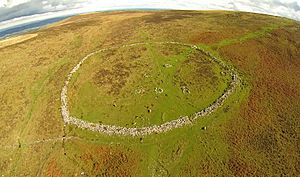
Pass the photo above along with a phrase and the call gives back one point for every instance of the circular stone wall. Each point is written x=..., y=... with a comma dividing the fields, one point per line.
x=145, y=88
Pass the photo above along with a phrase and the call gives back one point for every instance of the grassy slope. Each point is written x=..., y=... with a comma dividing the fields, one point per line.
x=256, y=132
x=271, y=114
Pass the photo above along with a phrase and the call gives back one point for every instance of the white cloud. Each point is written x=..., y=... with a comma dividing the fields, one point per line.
x=10, y=3
x=14, y=12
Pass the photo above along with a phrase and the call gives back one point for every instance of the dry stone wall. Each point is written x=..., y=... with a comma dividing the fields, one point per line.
x=155, y=129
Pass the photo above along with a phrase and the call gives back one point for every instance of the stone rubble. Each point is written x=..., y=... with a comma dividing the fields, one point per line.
x=158, y=90
x=167, y=65
x=155, y=129
x=185, y=90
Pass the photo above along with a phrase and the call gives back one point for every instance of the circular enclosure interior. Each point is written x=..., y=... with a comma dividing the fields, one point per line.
x=144, y=85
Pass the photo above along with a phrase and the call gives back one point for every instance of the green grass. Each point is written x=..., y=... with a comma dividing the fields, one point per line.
x=193, y=142
x=160, y=155
x=187, y=67
x=254, y=133
x=266, y=30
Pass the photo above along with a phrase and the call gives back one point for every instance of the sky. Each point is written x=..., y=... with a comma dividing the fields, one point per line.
x=16, y=12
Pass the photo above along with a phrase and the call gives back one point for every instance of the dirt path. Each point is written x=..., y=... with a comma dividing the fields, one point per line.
x=155, y=129
x=18, y=145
